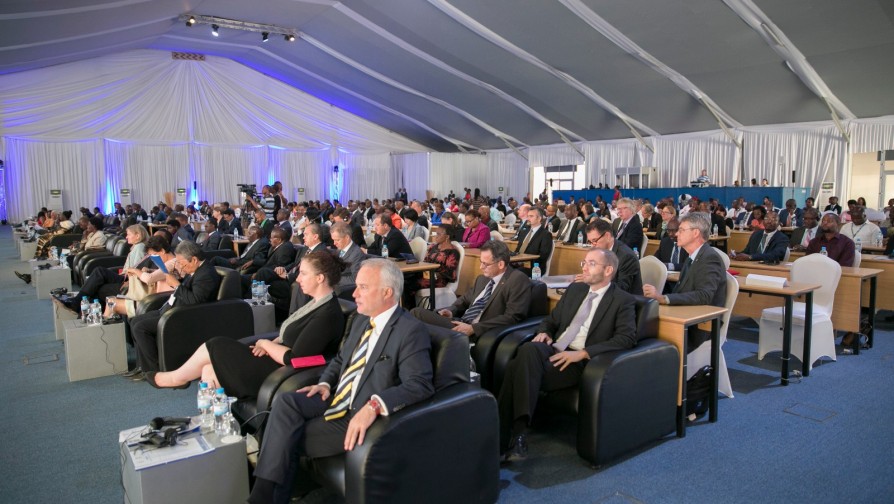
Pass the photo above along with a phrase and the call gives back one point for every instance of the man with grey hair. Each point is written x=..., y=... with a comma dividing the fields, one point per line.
x=627, y=227
x=383, y=367
x=702, y=277
x=199, y=284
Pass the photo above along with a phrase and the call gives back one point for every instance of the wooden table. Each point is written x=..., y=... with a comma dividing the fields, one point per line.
x=673, y=326
x=472, y=267
x=419, y=268
x=239, y=243
x=738, y=240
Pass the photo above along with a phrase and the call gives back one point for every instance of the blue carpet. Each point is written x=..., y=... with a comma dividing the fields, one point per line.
x=826, y=439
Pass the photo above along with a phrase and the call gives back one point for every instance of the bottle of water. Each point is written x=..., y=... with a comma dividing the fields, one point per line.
x=714, y=230
x=858, y=244
x=879, y=239
x=535, y=272
x=262, y=292
x=254, y=291
x=636, y=252
x=580, y=238
x=235, y=233
x=384, y=250
x=221, y=406
x=203, y=400
x=63, y=260
x=85, y=309
x=96, y=312
x=824, y=252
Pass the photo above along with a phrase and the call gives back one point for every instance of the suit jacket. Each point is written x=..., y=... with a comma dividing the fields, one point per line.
x=287, y=227
x=200, y=287
x=834, y=208
x=229, y=227
x=633, y=233
x=797, y=219
x=523, y=229
x=357, y=234
x=256, y=255
x=541, y=244
x=629, y=277
x=395, y=240
x=266, y=227
x=798, y=235
x=212, y=241
x=613, y=326
x=704, y=282
x=577, y=226
x=666, y=250
x=281, y=256
x=354, y=256
x=398, y=369
x=553, y=223
x=508, y=303
x=775, y=250
x=300, y=252
x=357, y=217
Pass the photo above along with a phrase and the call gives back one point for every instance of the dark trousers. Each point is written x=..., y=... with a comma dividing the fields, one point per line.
x=144, y=330
x=97, y=279
x=432, y=317
x=295, y=428
x=528, y=373
x=280, y=288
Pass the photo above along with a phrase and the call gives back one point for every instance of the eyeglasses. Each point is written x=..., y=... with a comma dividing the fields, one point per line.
x=487, y=265
x=685, y=229
x=591, y=264
x=594, y=242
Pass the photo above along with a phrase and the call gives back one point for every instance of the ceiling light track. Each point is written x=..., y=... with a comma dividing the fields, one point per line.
x=217, y=23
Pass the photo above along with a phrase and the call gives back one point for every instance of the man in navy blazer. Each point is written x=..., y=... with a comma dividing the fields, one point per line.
x=386, y=234
x=791, y=215
x=592, y=317
x=768, y=244
x=212, y=240
x=397, y=373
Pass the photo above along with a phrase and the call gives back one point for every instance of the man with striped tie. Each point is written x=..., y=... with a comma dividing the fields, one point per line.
x=332, y=416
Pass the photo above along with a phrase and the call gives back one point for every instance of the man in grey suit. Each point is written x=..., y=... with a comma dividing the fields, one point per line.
x=500, y=297
x=347, y=250
x=702, y=277
x=627, y=228
x=627, y=275
x=592, y=317
x=333, y=416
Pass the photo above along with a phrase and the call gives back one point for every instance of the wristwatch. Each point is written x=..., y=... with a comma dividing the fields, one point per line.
x=376, y=406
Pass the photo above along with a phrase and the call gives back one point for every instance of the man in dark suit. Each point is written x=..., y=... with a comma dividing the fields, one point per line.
x=262, y=222
x=801, y=236
x=342, y=215
x=550, y=220
x=212, y=240
x=229, y=224
x=282, y=218
x=791, y=215
x=332, y=416
x=280, y=278
x=768, y=244
x=500, y=297
x=592, y=317
x=200, y=285
x=669, y=251
x=627, y=275
x=627, y=228
x=523, y=225
x=702, y=277
x=255, y=254
x=280, y=254
x=537, y=240
x=395, y=240
x=571, y=226
x=833, y=205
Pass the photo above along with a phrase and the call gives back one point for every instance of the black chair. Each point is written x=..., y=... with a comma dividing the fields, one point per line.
x=182, y=329
x=626, y=399
x=442, y=450
x=275, y=382
x=486, y=346
x=115, y=260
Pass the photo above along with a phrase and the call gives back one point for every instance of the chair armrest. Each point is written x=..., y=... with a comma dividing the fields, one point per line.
x=485, y=349
x=286, y=379
x=459, y=464
x=505, y=352
x=182, y=329
x=151, y=302
x=110, y=261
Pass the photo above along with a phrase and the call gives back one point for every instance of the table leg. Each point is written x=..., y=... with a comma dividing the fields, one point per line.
x=681, y=410
x=871, y=336
x=431, y=290
x=787, y=338
x=715, y=364
x=808, y=334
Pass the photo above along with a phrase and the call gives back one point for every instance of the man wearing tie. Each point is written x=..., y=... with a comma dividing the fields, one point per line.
x=791, y=215
x=499, y=297
x=627, y=227
x=768, y=244
x=572, y=225
x=255, y=254
x=383, y=367
x=213, y=236
x=280, y=278
x=669, y=251
x=592, y=317
x=538, y=240
x=801, y=236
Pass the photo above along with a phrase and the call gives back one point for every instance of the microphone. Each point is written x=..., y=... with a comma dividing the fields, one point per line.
x=158, y=423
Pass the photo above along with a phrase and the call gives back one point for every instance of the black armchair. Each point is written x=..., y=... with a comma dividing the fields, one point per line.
x=442, y=450
x=625, y=399
x=115, y=260
x=182, y=329
x=81, y=258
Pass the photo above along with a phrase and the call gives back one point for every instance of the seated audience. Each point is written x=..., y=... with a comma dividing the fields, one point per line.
x=388, y=235
x=801, y=236
x=838, y=247
x=791, y=215
x=476, y=233
x=627, y=228
x=442, y=253
x=255, y=255
x=859, y=228
x=411, y=228
x=103, y=282
x=142, y=281
x=628, y=275
x=537, y=240
x=767, y=244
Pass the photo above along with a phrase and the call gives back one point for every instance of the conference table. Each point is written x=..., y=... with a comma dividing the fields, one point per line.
x=673, y=326
x=472, y=267
x=421, y=267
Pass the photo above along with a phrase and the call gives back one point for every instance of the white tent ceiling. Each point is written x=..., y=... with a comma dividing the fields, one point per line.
x=478, y=75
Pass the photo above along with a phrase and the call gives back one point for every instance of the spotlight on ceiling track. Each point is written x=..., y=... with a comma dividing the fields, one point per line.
x=265, y=36
x=214, y=29
x=191, y=21
x=289, y=38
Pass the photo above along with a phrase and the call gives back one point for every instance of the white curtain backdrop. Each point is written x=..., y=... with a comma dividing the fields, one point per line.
x=604, y=156
x=148, y=170
x=300, y=169
x=219, y=168
x=368, y=176
x=811, y=150
x=456, y=171
x=415, y=173
x=681, y=158
x=554, y=155
x=507, y=169
x=870, y=135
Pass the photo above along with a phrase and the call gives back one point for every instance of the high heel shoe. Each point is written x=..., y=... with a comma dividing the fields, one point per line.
x=150, y=379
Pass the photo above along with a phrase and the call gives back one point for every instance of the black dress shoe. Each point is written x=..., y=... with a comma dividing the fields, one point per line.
x=150, y=379
x=24, y=277
x=518, y=449
x=141, y=376
x=133, y=372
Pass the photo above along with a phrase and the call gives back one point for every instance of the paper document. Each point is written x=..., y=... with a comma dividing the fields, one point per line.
x=149, y=456
x=557, y=281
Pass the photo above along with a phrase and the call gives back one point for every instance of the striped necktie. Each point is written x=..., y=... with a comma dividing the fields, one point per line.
x=342, y=398
x=478, y=306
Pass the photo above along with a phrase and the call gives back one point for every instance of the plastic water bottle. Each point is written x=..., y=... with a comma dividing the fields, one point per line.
x=714, y=230
x=221, y=406
x=203, y=400
x=236, y=233
x=384, y=250
x=636, y=251
x=858, y=244
x=824, y=252
x=63, y=260
x=85, y=309
x=580, y=238
x=262, y=292
x=96, y=312
x=879, y=239
x=535, y=272
x=254, y=291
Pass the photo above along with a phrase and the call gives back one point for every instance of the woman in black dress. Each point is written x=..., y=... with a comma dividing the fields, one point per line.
x=314, y=329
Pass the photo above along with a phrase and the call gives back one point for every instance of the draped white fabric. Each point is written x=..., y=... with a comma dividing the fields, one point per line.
x=869, y=135
x=507, y=169
x=368, y=176
x=811, y=150
x=301, y=169
x=415, y=173
x=220, y=168
x=681, y=158
x=603, y=157
x=456, y=171
x=148, y=170
x=554, y=155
